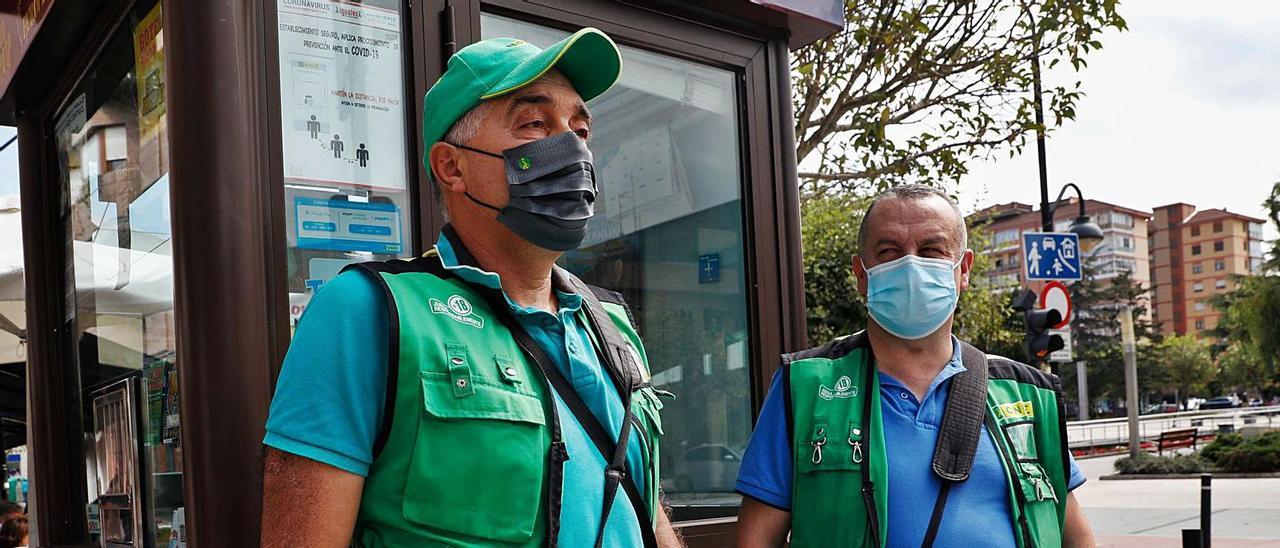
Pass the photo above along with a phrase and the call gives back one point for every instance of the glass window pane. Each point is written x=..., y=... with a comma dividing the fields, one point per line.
x=343, y=128
x=668, y=235
x=111, y=143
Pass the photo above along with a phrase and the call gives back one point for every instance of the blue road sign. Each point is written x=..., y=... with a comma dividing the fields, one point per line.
x=709, y=268
x=1051, y=255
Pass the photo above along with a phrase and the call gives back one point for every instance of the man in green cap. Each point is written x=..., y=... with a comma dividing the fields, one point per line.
x=478, y=395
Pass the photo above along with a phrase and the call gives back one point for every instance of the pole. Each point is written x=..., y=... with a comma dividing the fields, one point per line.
x=1130, y=376
x=1206, y=507
x=1082, y=387
x=1046, y=218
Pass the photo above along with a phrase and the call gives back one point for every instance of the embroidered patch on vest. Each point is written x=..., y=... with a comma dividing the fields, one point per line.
x=1017, y=410
x=459, y=310
x=844, y=389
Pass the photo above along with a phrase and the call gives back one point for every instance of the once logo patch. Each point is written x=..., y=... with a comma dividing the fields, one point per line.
x=459, y=310
x=844, y=389
x=1017, y=410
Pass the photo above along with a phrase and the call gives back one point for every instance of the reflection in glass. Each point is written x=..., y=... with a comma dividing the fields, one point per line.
x=668, y=235
x=111, y=143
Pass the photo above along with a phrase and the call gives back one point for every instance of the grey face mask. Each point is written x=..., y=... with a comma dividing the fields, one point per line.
x=552, y=188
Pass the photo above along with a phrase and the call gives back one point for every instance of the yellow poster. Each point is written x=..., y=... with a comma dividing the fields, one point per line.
x=148, y=55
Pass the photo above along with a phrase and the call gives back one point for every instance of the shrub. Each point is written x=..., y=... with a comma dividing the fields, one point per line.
x=1259, y=454
x=1222, y=443
x=1151, y=464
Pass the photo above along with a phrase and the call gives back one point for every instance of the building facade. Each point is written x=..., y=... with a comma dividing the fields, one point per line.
x=1196, y=255
x=192, y=171
x=1123, y=249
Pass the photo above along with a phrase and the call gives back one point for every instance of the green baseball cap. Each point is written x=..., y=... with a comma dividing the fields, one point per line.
x=497, y=66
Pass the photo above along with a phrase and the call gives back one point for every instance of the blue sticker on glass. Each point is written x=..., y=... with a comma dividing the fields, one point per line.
x=339, y=225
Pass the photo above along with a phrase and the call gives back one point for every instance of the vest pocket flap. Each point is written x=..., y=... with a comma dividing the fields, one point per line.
x=441, y=399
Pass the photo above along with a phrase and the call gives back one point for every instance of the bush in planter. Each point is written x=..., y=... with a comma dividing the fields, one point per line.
x=1259, y=454
x=1221, y=444
x=1150, y=464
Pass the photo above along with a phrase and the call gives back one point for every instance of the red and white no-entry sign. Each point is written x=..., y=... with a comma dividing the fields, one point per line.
x=1055, y=296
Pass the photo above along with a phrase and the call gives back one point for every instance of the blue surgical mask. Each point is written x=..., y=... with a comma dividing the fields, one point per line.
x=912, y=297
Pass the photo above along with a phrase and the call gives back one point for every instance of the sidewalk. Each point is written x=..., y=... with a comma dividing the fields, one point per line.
x=1246, y=512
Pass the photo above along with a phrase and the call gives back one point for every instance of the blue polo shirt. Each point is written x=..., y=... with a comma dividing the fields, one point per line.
x=338, y=362
x=978, y=510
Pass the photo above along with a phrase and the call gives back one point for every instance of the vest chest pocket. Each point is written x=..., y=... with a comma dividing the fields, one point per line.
x=479, y=458
x=827, y=449
x=1021, y=438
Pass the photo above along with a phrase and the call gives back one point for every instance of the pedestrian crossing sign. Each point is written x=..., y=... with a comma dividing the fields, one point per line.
x=1051, y=255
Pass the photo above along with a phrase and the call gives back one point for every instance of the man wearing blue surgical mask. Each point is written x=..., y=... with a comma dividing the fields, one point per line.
x=903, y=435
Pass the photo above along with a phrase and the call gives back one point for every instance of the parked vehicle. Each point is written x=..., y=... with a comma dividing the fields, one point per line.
x=1220, y=402
x=709, y=467
x=1162, y=407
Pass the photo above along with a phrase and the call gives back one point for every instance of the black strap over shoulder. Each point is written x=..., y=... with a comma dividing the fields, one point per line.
x=961, y=429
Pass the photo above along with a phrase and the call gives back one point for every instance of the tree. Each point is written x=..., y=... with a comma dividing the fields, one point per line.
x=983, y=317
x=911, y=90
x=1187, y=364
x=1247, y=331
x=829, y=236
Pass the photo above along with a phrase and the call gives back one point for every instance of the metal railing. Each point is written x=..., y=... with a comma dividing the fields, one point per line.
x=1101, y=432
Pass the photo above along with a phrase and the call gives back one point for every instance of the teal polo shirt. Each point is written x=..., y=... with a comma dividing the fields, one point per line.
x=338, y=362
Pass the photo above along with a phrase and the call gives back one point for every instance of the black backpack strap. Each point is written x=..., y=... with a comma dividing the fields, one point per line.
x=619, y=358
x=962, y=420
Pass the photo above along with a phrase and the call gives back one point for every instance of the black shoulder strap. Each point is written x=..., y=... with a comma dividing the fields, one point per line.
x=619, y=357
x=373, y=270
x=962, y=420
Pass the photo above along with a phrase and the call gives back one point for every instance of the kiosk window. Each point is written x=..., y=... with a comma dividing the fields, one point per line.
x=111, y=140
x=343, y=128
x=668, y=235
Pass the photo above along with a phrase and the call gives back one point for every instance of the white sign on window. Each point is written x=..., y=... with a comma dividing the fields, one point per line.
x=342, y=94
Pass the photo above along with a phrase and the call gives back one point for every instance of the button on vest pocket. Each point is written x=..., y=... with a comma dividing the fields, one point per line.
x=478, y=461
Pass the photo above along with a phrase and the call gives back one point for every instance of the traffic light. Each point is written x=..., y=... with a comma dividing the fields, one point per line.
x=1038, y=343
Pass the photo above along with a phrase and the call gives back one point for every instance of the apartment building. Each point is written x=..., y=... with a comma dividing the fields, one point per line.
x=1124, y=248
x=1193, y=256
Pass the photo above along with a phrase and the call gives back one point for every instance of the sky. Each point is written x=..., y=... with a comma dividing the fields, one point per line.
x=1182, y=107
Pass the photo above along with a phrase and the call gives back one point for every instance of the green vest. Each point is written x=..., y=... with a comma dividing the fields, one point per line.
x=466, y=455
x=837, y=448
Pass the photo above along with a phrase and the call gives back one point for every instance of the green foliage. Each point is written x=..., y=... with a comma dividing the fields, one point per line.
x=983, y=317
x=1219, y=445
x=912, y=90
x=1146, y=463
x=1258, y=454
x=1185, y=363
x=1249, y=335
x=829, y=235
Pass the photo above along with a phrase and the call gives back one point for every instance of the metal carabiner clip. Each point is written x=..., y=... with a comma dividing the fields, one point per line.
x=817, y=450
x=857, y=450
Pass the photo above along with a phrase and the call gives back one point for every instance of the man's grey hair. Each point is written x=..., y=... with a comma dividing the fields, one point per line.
x=914, y=192
x=459, y=133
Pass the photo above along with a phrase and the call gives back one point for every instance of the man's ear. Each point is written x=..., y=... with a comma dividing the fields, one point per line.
x=445, y=164
x=860, y=273
x=966, y=266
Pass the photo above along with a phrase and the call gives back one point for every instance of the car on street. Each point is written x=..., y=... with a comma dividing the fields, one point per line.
x=711, y=467
x=1220, y=402
x=1162, y=407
